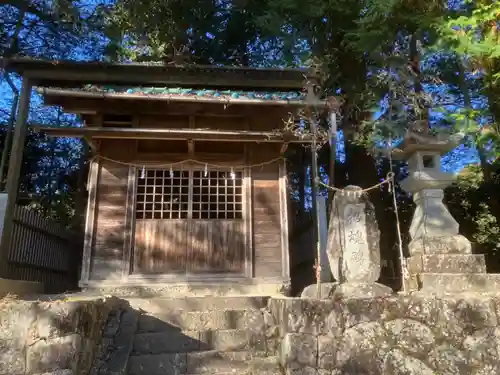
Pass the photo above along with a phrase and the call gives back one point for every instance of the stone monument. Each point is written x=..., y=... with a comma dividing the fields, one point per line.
x=440, y=258
x=353, y=245
x=353, y=248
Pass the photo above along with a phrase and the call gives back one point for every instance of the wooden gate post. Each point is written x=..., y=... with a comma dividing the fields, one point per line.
x=15, y=163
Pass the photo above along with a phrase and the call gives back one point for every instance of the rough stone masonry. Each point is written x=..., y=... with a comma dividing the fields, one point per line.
x=397, y=335
x=51, y=338
x=413, y=334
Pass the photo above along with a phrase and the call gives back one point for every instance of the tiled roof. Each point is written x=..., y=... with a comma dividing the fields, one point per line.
x=206, y=93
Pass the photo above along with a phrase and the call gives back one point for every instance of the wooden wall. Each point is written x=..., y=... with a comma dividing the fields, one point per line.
x=266, y=222
x=267, y=213
x=110, y=222
x=109, y=256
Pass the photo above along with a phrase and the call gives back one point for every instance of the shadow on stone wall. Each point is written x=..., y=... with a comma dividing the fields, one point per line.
x=44, y=336
x=401, y=334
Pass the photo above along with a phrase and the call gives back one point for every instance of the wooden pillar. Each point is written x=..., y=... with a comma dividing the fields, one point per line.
x=93, y=178
x=285, y=251
x=15, y=163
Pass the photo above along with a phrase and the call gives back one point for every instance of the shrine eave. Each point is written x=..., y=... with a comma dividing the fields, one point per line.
x=75, y=74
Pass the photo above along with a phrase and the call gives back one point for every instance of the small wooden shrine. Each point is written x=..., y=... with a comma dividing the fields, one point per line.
x=187, y=182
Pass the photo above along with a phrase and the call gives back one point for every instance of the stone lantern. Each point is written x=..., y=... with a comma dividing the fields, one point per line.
x=426, y=181
x=440, y=258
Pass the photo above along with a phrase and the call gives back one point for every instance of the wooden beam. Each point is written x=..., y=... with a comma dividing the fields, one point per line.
x=75, y=74
x=191, y=148
x=15, y=163
x=175, y=134
x=158, y=107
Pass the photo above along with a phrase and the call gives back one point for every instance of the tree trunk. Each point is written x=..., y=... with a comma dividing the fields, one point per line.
x=362, y=171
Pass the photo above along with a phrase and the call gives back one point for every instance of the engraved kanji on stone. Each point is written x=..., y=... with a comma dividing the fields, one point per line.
x=353, y=218
x=356, y=257
x=355, y=236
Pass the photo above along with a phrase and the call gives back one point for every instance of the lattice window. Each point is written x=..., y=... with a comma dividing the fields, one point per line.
x=217, y=195
x=161, y=195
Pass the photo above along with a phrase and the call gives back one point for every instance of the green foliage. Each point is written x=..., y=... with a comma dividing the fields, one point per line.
x=472, y=35
x=469, y=200
x=361, y=47
x=204, y=32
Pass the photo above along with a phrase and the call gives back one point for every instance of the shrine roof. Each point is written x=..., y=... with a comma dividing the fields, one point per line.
x=76, y=74
x=180, y=94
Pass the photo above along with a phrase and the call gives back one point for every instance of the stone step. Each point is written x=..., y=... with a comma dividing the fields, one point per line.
x=210, y=362
x=156, y=305
x=190, y=341
x=453, y=282
x=447, y=263
x=200, y=320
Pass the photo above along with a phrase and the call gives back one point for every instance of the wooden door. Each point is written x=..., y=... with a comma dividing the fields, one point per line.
x=217, y=226
x=161, y=227
x=189, y=222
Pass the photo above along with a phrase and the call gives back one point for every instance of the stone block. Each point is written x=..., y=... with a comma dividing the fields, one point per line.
x=362, y=290
x=326, y=291
x=200, y=320
x=53, y=354
x=483, y=347
x=296, y=315
x=113, y=323
x=361, y=310
x=450, y=318
x=214, y=362
x=466, y=315
x=363, y=341
x=454, y=283
x=457, y=244
x=57, y=319
x=166, y=342
x=200, y=289
x=448, y=360
x=298, y=349
x=160, y=364
x=398, y=363
x=15, y=332
x=252, y=320
x=411, y=336
x=233, y=340
x=422, y=308
x=327, y=348
x=447, y=263
x=162, y=305
x=123, y=343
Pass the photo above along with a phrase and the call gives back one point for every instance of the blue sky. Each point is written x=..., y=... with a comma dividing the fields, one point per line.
x=454, y=161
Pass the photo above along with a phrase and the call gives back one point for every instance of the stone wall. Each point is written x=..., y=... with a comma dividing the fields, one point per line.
x=51, y=337
x=410, y=335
